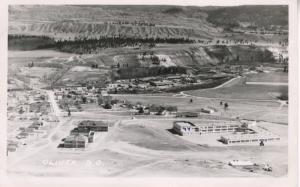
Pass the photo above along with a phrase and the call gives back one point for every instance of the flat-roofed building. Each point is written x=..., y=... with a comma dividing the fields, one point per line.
x=248, y=138
x=187, y=114
x=185, y=128
x=75, y=141
x=240, y=163
x=83, y=131
x=96, y=126
x=218, y=128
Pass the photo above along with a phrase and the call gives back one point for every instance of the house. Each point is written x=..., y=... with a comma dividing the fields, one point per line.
x=11, y=148
x=207, y=110
x=29, y=130
x=104, y=98
x=161, y=84
x=58, y=96
x=22, y=135
x=34, y=127
x=73, y=109
x=75, y=141
x=112, y=86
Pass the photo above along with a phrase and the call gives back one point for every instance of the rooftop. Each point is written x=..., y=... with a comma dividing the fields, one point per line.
x=249, y=136
x=91, y=123
x=76, y=138
x=184, y=123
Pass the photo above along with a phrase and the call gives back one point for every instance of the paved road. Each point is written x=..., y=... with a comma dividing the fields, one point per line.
x=54, y=105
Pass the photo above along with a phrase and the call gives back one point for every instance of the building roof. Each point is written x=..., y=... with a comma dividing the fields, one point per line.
x=89, y=123
x=37, y=123
x=184, y=123
x=76, y=138
x=249, y=136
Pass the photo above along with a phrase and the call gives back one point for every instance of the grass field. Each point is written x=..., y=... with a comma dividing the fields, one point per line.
x=254, y=110
x=239, y=90
x=268, y=77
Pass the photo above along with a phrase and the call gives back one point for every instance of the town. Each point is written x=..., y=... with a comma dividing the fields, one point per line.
x=136, y=94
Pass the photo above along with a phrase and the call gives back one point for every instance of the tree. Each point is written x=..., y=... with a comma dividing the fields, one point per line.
x=107, y=106
x=226, y=106
x=21, y=111
x=83, y=99
x=141, y=110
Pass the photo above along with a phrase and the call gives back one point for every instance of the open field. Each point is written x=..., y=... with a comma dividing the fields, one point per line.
x=240, y=90
x=255, y=110
x=268, y=77
x=37, y=54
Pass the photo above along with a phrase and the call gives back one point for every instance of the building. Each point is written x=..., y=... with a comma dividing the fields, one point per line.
x=207, y=110
x=218, y=128
x=187, y=128
x=104, y=98
x=37, y=124
x=22, y=135
x=85, y=132
x=248, y=138
x=187, y=114
x=240, y=163
x=75, y=141
x=96, y=126
x=12, y=146
x=112, y=86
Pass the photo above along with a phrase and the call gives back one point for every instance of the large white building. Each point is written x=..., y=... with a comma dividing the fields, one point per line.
x=187, y=128
x=258, y=135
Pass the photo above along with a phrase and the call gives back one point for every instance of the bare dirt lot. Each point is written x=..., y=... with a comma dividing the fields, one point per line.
x=150, y=150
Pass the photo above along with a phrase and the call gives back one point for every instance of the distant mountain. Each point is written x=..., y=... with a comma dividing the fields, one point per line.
x=264, y=16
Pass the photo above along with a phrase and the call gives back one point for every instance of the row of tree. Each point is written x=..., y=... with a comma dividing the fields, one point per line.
x=83, y=44
x=90, y=45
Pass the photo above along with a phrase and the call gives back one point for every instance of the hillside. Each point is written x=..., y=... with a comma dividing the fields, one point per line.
x=267, y=17
x=135, y=21
x=70, y=21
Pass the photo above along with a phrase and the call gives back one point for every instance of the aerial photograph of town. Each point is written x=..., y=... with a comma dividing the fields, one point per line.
x=147, y=91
